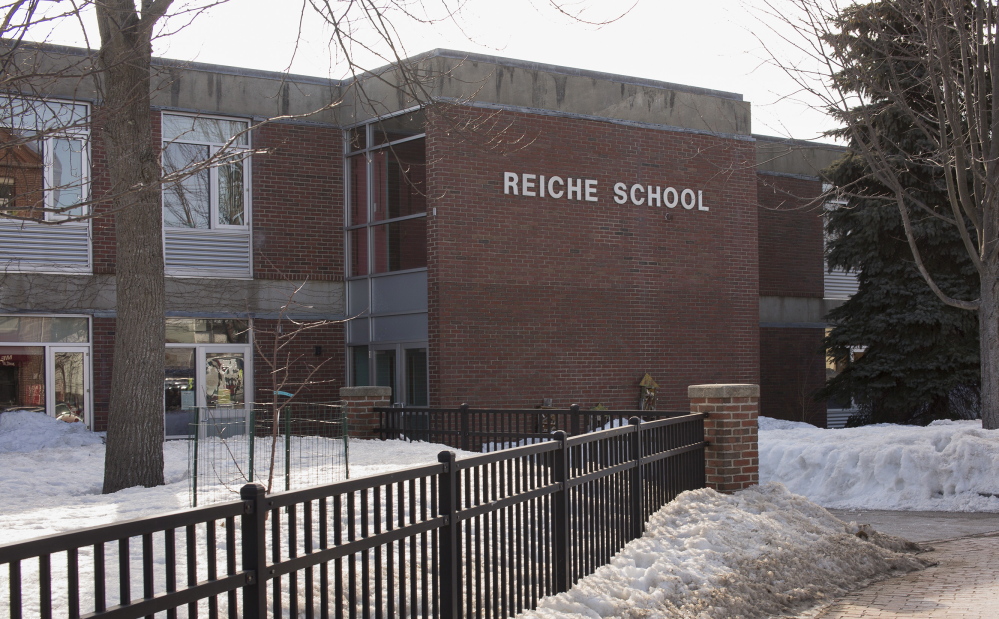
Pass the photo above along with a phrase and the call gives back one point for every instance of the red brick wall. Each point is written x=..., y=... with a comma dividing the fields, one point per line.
x=790, y=237
x=792, y=369
x=301, y=357
x=574, y=300
x=297, y=207
x=102, y=225
x=102, y=354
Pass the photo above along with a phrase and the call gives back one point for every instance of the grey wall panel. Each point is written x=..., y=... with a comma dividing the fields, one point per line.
x=400, y=328
x=403, y=292
x=357, y=332
x=357, y=297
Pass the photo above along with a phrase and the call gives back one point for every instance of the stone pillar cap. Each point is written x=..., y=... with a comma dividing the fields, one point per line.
x=362, y=392
x=723, y=391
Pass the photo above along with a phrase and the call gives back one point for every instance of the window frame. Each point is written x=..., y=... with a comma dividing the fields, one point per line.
x=49, y=350
x=48, y=136
x=214, y=150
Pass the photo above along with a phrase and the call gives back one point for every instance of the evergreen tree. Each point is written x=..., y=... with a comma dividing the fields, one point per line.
x=920, y=359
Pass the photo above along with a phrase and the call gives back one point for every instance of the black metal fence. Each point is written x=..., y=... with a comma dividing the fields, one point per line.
x=486, y=536
x=492, y=429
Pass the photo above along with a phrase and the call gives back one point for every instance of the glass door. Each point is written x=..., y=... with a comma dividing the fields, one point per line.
x=385, y=371
x=416, y=384
x=180, y=391
x=403, y=367
x=70, y=384
x=203, y=377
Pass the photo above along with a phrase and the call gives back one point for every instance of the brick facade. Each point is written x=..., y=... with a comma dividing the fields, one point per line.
x=534, y=298
x=102, y=356
x=792, y=370
x=298, y=202
x=790, y=237
x=314, y=356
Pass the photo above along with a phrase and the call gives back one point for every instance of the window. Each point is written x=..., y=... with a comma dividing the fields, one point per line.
x=387, y=201
x=7, y=191
x=45, y=366
x=44, y=159
x=206, y=173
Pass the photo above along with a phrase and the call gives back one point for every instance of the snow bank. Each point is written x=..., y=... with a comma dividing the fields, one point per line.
x=24, y=431
x=947, y=466
x=759, y=552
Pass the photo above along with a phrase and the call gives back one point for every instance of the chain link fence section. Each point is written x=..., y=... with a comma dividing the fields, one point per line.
x=230, y=447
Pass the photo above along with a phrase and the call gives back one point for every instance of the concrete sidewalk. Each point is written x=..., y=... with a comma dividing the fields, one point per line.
x=964, y=583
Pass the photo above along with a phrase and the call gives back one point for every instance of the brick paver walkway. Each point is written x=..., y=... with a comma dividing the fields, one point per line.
x=965, y=585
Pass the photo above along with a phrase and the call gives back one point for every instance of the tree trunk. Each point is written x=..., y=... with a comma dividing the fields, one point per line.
x=135, y=422
x=988, y=333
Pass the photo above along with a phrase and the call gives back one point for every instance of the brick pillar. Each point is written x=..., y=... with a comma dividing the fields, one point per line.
x=732, y=459
x=358, y=402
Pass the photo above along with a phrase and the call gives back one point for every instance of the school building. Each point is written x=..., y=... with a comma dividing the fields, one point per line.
x=481, y=230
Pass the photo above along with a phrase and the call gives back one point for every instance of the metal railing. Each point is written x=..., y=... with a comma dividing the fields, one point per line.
x=486, y=430
x=486, y=536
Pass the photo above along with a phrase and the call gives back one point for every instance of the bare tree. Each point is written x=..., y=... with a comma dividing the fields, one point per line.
x=288, y=369
x=928, y=66
x=121, y=71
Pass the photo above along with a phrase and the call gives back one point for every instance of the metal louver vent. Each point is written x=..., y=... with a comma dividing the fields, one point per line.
x=207, y=253
x=840, y=285
x=30, y=246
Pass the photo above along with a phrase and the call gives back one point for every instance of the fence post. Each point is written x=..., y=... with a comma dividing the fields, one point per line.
x=287, y=446
x=194, y=464
x=731, y=458
x=560, y=525
x=450, y=566
x=574, y=419
x=359, y=404
x=463, y=411
x=637, y=481
x=253, y=526
x=252, y=433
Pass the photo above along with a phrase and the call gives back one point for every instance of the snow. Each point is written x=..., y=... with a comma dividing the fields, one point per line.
x=756, y=553
x=946, y=466
x=761, y=551
x=25, y=431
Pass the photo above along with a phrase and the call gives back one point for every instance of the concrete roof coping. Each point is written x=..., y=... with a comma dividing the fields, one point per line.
x=551, y=68
x=360, y=392
x=83, y=52
x=723, y=391
x=795, y=142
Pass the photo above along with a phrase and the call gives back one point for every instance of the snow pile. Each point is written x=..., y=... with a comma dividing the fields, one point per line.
x=947, y=466
x=24, y=431
x=759, y=552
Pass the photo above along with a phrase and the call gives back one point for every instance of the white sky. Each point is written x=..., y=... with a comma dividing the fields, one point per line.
x=706, y=43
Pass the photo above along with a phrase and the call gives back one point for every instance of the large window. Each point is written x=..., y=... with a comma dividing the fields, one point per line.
x=45, y=365
x=44, y=160
x=387, y=256
x=205, y=168
x=387, y=202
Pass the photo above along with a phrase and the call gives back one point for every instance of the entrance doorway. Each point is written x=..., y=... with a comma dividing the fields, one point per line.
x=215, y=376
x=403, y=367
